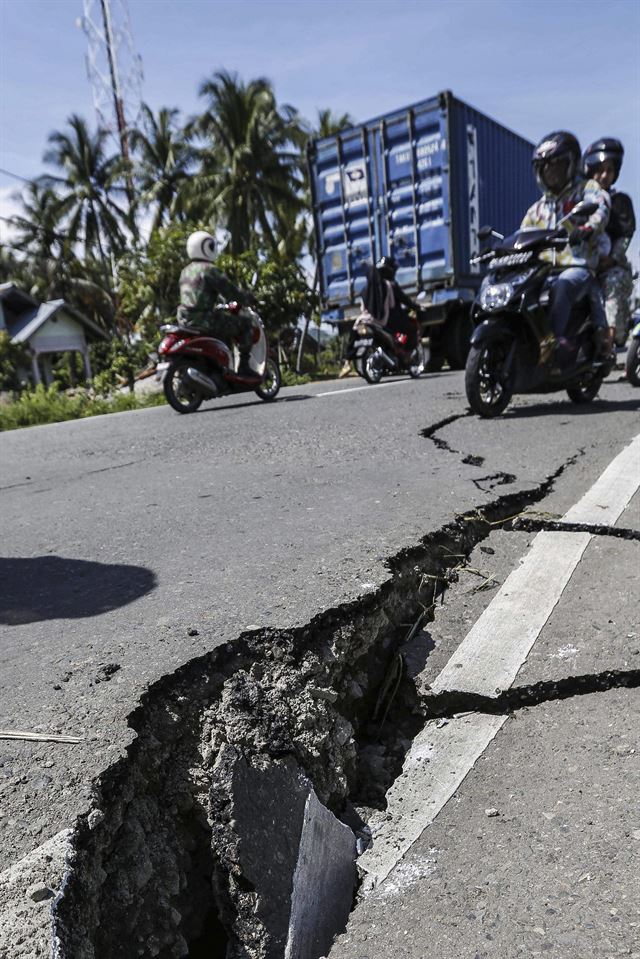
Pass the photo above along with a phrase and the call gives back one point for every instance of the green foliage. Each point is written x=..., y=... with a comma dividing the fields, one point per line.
x=281, y=289
x=148, y=280
x=239, y=165
x=12, y=358
x=116, y=362
x=41, y=405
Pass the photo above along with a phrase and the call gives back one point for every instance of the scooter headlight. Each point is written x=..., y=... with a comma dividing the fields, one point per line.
x=495, y=295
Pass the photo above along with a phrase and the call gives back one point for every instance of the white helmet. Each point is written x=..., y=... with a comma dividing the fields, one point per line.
x=201, y=246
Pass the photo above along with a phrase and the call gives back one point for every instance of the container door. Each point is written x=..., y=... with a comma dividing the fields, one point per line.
x=342, y=183
x=413, y=167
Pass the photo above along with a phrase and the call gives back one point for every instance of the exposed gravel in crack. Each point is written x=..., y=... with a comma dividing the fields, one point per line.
x=159, y=852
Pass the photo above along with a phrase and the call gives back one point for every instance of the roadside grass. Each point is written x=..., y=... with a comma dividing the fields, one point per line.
x=41, y=405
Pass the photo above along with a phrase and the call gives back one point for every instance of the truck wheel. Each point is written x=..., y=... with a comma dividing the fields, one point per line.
x=457, y=338
x=436, y=350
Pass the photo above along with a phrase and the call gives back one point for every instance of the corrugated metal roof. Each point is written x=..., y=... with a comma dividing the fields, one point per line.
x=29, y=321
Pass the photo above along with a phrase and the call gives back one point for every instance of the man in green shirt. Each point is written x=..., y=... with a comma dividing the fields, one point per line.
x=202, y=289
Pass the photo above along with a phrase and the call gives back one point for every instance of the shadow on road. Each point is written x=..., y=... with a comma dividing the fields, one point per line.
x=257, y=403
x=52, y=587
x=576, y=409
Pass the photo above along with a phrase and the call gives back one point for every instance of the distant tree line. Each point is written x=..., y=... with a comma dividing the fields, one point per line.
x=109, y=236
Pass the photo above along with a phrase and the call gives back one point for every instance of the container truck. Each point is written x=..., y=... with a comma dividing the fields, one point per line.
x=417, y=184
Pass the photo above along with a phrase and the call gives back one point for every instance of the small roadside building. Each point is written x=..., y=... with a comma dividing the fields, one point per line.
x=46, y=329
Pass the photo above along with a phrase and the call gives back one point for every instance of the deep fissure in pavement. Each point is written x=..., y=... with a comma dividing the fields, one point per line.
x=449, y=704
x=532, y=525
x=198, y=828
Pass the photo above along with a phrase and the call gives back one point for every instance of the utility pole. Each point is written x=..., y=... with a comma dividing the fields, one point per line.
x=114, y=70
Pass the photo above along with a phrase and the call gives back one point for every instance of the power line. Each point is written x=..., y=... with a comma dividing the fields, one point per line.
x=22, y=222
x=16, y=176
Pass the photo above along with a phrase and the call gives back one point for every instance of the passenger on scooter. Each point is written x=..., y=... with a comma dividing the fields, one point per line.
x=399, y=319
x=394, y=305
x=202, y=288
x=602, y=161
x=556, y=164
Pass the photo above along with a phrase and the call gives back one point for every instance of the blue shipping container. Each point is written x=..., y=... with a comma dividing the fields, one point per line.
x=417, y=184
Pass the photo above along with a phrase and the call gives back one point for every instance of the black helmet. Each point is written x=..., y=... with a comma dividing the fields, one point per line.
x=387, y=267
x=607, y=148
x=556, y=160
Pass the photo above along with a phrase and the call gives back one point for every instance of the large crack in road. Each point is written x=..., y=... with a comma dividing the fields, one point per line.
x=194, y=837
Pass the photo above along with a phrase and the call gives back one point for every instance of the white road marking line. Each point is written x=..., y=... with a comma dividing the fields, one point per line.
x=369, y=386
x=492, y=652
x=609, y=495
x=487, y=660
x=438, y=761
x=497, y=645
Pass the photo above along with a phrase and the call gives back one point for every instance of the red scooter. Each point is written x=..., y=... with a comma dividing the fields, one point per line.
x=195, y=367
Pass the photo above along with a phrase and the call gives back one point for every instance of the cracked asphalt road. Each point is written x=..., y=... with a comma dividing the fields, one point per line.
x=142, y=540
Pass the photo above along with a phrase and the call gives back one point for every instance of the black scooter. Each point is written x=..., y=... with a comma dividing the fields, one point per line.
x=512, y=346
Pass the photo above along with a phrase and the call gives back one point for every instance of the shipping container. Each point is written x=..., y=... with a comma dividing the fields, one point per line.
x=417, y=184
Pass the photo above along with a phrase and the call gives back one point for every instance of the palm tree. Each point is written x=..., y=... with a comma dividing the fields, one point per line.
x=87, y=188
x=329, y=123
x=250, y=177
x=164, y=160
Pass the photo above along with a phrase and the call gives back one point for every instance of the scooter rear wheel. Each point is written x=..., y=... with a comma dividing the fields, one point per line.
x=370, y=369
x=489, y=392
x=270, y=386
x=586, y=391
x=180, y=393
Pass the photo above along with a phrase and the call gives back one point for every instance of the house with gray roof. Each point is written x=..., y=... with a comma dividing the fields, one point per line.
x=46, y=329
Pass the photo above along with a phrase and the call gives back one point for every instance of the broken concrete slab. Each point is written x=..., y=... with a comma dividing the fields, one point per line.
x=556, y=873
x=630, y=518
x=290, y=862
x=323, y=884
x=26, y=892
x=465, y=600
x=596, y=627
x=441, y=756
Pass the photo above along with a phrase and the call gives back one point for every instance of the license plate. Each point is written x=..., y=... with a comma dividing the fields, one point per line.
x=362, y=345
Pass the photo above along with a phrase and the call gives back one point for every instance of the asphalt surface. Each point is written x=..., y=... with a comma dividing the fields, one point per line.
x=134, y=542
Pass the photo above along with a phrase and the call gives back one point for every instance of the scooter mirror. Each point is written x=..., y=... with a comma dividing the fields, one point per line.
x=584, y=208
x=485, y=232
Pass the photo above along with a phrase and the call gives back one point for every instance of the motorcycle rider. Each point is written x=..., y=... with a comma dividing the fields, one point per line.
x=602, y=161
x=202, y=287
x=387, y=303
x=557, y=166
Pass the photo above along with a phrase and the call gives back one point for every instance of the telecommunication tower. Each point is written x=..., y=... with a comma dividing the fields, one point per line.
x=113, y=67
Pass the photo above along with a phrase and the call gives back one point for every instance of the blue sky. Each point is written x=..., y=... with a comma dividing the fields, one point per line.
x=534, y=66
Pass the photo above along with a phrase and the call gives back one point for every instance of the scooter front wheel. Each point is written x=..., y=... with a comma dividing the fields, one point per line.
x=270, y=386
x=371, y=371
x=180, y=393
x=488, y=389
